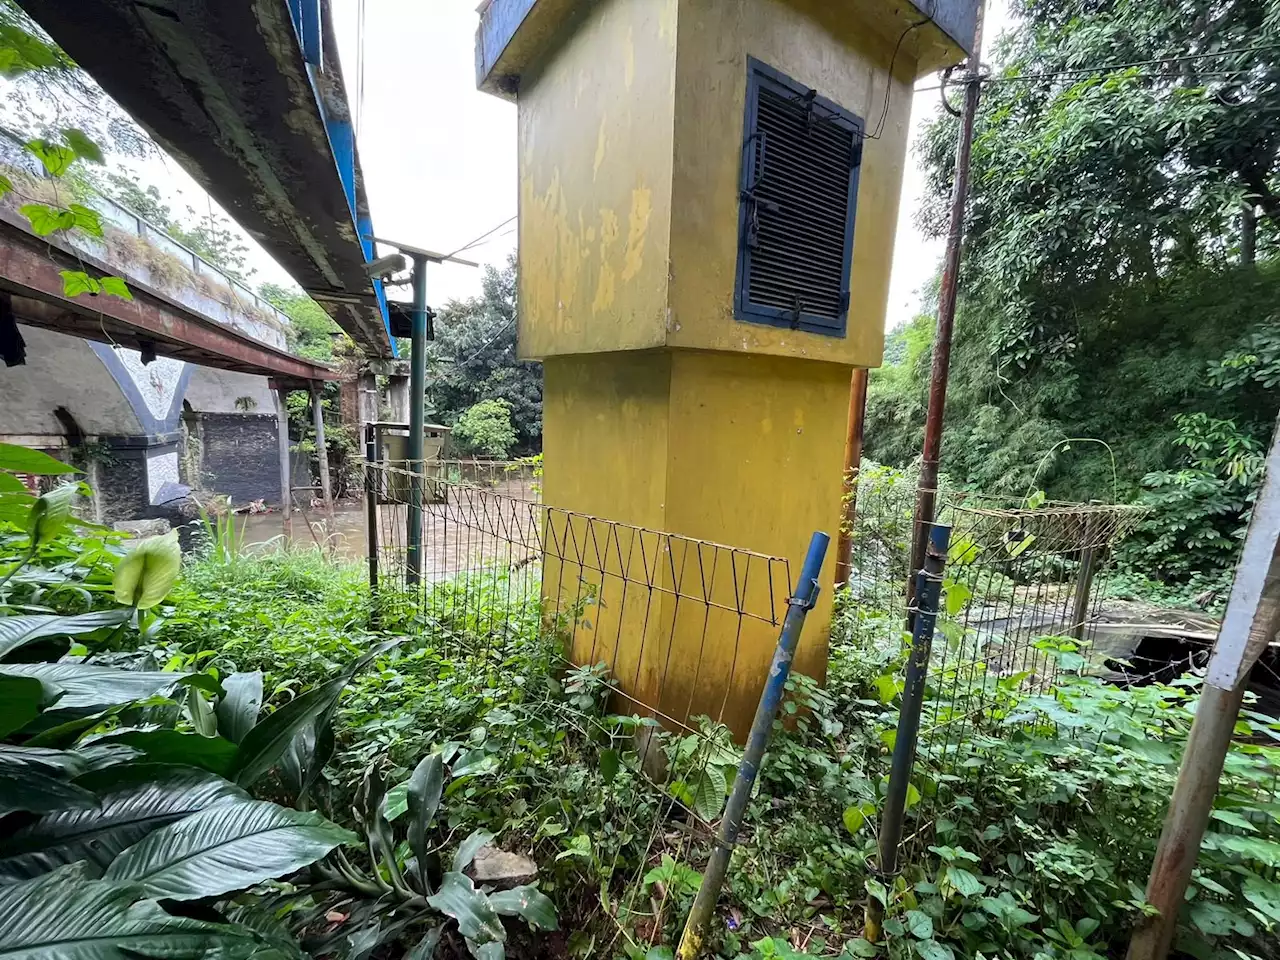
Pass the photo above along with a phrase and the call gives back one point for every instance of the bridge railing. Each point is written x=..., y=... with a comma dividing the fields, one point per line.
x=205, y=288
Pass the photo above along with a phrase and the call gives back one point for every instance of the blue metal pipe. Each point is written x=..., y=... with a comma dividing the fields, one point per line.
x=775, y=687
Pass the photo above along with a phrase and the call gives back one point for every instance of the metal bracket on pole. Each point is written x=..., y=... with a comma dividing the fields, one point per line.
x=801, y=602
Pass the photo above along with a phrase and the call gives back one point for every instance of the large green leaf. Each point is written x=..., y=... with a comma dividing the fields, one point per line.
x=25, y=460
x=238, y=710
x=468, y=849
x=308, y=753
x=709, y=789
x=86, y=686
x=170, y=746
x=459, y=898
x=132, y=801
x=226, y=847
x=16, y=632
x=51, y=512
x=528, y=902
x=426, y=783
x=37, y=791
x=264, y=745
x=20, y=701
x=65, y=916
x=147, y=572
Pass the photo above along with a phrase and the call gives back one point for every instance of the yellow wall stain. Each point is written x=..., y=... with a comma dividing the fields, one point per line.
x=605, y=288
x=600, y=142
x=628, y=61
x=637, y=229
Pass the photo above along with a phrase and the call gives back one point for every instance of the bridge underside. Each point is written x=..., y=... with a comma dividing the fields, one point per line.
x=225, y=89
x=151, y=323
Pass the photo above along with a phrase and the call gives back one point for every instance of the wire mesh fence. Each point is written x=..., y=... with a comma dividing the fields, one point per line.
x=1021, y=596
x=677, y=632
x=1023, y=601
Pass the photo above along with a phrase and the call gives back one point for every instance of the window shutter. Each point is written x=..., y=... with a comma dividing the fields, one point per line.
x=801, y=155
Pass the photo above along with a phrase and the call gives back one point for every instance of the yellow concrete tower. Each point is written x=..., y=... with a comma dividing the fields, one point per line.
x=708, y=199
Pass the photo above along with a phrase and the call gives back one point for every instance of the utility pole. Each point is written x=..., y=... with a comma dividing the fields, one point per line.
x=419, y=333
x=927, y=488
x=417, y=415
x=1251, y=621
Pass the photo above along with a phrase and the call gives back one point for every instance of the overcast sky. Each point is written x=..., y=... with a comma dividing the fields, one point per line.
x=439, y=157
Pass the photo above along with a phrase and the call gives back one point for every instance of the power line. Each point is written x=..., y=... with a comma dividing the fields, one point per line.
x=476, y=241
x=485, y=346
x=1102, y=68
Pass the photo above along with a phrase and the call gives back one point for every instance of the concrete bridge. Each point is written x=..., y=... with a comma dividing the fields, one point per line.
x=175, y=385
x=247, y=96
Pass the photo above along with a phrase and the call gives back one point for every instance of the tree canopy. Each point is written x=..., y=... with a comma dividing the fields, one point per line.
x=1121, y=259
x=473, y=358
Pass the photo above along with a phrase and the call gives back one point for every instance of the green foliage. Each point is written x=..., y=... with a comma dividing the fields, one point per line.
x=485, y=430
x=1199, y=513
x=473, y=358
x=313, y=330
x=1105, y=290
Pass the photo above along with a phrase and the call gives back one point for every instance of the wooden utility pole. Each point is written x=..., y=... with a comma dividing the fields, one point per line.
x=927, y=488
x=852, y=466
x=1251, y=621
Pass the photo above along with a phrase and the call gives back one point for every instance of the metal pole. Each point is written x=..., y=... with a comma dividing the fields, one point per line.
x=927, y=488
x=322, y=452
x=1084, y=580
x=371, y=514
x=417, y=414
x=801, y=602
x=286, y=474
x=852, y=464
x=1251, y=621
x=928, y=589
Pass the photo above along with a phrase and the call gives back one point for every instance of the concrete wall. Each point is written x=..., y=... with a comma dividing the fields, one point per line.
x=131, y=412
x=595, y=145
x=838, y=54
x=62, y=371
x=222, y=391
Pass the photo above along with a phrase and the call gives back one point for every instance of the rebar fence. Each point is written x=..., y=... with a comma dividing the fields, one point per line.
x=677, y=632
x=1021, y=597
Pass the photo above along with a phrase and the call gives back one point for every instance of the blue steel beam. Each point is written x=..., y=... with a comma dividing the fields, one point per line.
x=248, y=96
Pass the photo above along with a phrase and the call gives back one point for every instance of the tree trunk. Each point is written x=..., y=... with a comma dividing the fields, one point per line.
x=1248, y=233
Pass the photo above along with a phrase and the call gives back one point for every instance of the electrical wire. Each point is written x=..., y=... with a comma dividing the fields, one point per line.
x=888, y=83
x=488, y=343
x=476, y=241
x=1103, y=68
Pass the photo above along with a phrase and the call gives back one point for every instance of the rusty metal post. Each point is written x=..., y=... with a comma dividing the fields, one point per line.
x=852, y=465
x=1084, y=579
x=927, y=488
x=1251, y=620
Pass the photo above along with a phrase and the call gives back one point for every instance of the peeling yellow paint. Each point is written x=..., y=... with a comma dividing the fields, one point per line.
x=637, y=229
x=605, y=288
x=600, y=141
